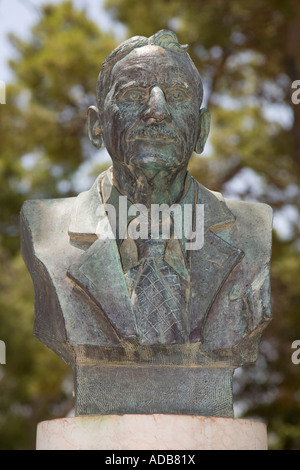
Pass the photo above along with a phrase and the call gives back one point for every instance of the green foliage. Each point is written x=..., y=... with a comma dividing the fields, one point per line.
x=31, y=381
x=43, y=124
x=43, y=142
x=248, y=55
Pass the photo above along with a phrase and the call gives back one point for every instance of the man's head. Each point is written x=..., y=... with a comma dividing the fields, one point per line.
x=149, y=94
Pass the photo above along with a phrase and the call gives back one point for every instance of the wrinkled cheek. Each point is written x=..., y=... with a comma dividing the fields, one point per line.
x=111, y=128
x=118, y=127
x=190, y=130
x=124, y=121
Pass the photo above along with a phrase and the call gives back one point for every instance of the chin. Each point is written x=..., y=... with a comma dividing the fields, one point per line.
x=155, y=161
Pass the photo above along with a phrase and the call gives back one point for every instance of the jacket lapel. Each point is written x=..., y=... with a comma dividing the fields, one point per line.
x=98, y=271
x=212, y=264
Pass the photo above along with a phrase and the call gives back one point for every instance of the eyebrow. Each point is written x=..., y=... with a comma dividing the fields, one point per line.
x=123, y=85
x=175, y=84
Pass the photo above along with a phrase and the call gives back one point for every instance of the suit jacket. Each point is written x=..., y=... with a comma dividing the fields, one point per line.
x=82, y=307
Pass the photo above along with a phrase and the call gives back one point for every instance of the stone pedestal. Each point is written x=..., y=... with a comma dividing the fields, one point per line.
x=151, y=432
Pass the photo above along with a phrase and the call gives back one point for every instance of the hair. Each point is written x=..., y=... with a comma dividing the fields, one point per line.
x=163, y=38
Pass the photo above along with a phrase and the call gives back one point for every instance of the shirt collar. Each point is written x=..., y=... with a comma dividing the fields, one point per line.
x=111, y=195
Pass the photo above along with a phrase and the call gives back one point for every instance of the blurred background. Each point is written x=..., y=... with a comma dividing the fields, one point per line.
x=248, y=56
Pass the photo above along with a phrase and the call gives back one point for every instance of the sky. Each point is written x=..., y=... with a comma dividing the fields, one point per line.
x=18, y=16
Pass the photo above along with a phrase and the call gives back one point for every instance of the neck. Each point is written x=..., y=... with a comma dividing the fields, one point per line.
x=144, y=186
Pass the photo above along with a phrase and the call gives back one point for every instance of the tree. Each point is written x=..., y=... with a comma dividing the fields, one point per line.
x=43, y=142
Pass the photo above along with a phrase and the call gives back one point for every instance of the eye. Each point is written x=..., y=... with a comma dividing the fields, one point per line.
x=176, y=95
x=135, y=95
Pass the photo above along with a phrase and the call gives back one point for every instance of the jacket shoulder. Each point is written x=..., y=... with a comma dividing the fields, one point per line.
x=252, y=213
x=43, y=217
x=43, y=227
x=252, y=231
x=34, y=208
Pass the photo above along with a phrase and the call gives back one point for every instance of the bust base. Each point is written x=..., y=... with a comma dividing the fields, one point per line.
x=151, y=432
x=148, y=389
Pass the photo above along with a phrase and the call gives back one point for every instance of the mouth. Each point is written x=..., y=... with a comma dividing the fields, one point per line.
x=161, y=140
x=154, y=134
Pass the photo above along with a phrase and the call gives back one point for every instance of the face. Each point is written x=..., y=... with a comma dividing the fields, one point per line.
x=151, y=112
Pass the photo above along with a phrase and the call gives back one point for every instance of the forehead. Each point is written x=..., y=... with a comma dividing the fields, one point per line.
x=149, y=64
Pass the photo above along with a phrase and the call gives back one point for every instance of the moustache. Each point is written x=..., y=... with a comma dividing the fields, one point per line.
x=154, y=132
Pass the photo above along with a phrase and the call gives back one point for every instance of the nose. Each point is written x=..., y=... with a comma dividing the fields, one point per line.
x=157, y=108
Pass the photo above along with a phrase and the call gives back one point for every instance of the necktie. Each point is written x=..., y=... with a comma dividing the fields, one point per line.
x=159, y=295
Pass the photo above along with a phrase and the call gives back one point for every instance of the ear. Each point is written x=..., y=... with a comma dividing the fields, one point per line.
x=94, y=130
x=204, y=126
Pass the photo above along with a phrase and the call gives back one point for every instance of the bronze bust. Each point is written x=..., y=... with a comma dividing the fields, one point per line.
x=150, y=323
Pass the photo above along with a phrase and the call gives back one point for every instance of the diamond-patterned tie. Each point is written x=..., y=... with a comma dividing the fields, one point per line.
x=159, y=296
